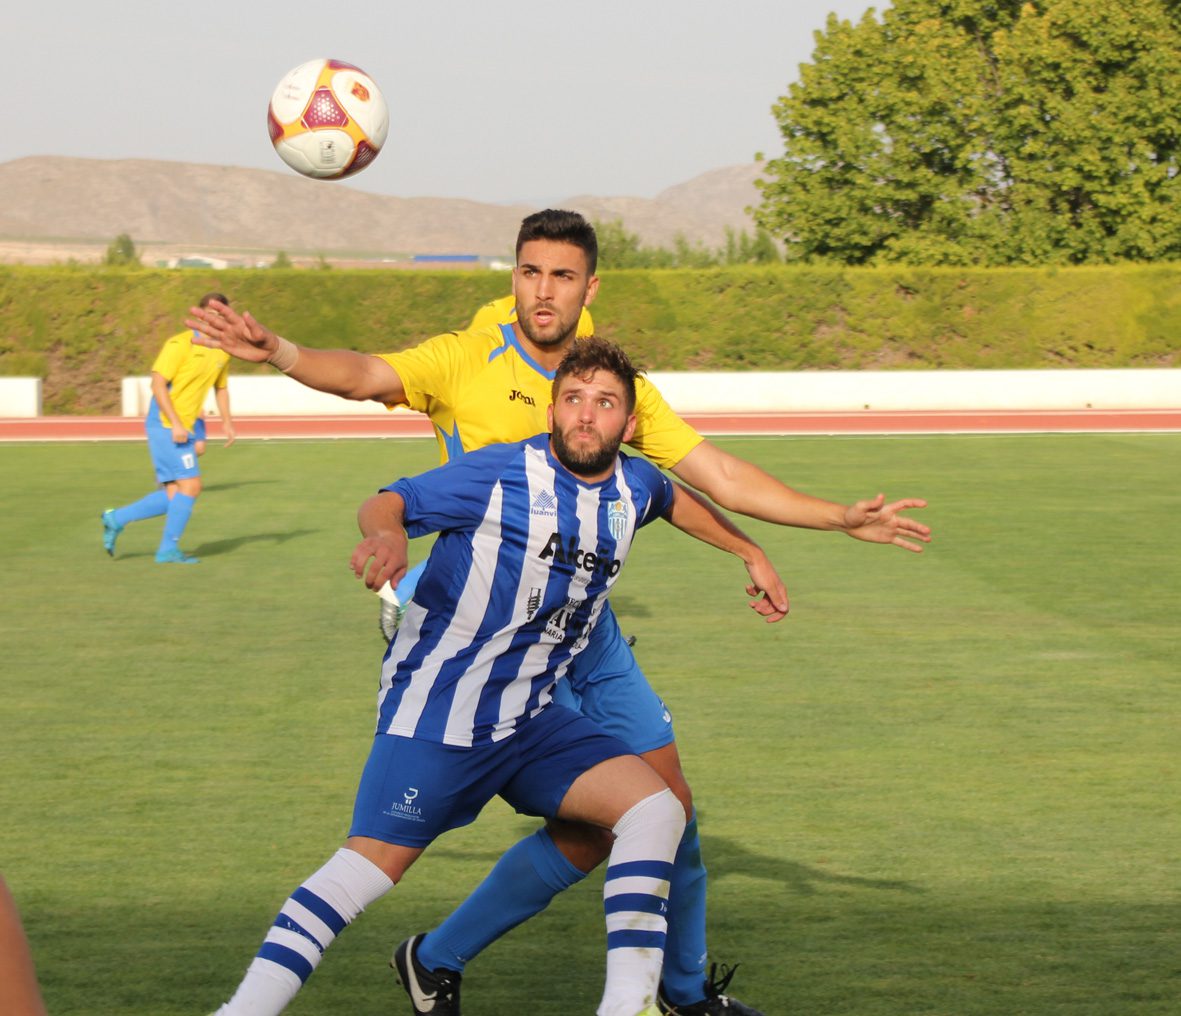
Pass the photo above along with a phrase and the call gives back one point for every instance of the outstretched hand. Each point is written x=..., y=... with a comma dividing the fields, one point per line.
x=768, y=589
x=219, y=326
x=877, y=522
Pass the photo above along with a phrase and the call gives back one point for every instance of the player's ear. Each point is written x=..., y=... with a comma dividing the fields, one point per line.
x=549, y=417
x=630, y=428
x=592, y=287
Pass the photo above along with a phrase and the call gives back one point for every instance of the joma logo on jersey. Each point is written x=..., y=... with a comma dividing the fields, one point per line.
x=580, y=560
x=519, y=396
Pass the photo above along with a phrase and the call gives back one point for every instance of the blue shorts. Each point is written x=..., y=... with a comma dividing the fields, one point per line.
x=199, y=429
x=171, y=461
x=606, y=684
x=413, y=791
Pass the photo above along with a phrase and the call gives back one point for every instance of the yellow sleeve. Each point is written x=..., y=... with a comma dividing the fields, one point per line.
x=223, y=376
x=429, y=370
x=496, y=312
x=586, y=325
x=172, y=356
x=661, y=435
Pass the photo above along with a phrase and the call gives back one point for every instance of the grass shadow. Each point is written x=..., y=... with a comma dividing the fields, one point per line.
x=219, y=547
x=210, y=488
x=725, y=857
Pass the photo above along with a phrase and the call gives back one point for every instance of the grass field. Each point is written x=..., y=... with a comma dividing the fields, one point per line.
x=946, y=784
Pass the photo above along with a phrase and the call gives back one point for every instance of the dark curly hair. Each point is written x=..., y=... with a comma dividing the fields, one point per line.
x=591, y=354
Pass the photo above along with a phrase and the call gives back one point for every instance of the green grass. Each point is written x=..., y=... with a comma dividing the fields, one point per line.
x=945, y=785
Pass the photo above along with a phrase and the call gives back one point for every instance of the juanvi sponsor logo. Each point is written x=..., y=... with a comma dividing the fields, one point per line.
x=544, y=504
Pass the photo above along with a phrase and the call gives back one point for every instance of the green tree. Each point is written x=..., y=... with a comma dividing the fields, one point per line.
x=743, y=249
x=281, y=260
x=984, y=132
x=618, y=248
x=121, y=251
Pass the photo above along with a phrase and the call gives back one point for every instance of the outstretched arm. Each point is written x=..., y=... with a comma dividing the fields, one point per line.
x=382, y=555
x=342, y=372
x=741, y=486
x=692, y=514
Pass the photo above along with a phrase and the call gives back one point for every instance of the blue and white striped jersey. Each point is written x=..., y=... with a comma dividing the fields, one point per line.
x=512, y=588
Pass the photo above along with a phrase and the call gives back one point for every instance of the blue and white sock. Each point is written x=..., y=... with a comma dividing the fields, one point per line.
x=309, y=921
x=684, y=951
x=635, y=899
x=180, y=509
x=147, y=507
x=530, y=874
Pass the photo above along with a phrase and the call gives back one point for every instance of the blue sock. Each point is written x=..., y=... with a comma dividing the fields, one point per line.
x=180, y=508
x=530, y=874
x=684, y=950
x=147, y=507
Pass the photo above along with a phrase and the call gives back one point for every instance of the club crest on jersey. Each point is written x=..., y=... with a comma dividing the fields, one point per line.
x=617, y=519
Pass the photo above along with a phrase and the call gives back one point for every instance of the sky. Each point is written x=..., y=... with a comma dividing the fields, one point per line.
x=495, y=101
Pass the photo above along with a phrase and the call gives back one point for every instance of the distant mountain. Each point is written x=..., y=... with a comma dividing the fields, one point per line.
x=90, y=201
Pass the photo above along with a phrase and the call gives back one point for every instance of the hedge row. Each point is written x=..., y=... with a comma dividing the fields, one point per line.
x=81, y=328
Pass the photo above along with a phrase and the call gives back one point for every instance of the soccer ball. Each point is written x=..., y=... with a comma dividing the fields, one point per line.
x=327, y=119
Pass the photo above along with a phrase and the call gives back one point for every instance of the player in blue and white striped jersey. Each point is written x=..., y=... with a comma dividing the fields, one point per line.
x=532, y=536
x=512, y=588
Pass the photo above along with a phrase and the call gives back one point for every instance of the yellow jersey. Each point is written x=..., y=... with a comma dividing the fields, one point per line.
x=479, y=387
x=190, y=371
x=504, y=312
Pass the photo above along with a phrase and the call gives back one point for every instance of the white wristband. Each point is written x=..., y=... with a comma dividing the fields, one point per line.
x=284, y=356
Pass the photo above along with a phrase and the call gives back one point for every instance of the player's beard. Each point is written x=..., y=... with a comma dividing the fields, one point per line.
x=557, y=333
x=586, y=461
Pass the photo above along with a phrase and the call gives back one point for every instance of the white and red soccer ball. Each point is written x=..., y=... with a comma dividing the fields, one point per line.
x=327, y=119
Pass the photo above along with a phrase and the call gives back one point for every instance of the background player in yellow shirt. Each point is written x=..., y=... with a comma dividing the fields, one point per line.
x=489, y=384
x=182, y=375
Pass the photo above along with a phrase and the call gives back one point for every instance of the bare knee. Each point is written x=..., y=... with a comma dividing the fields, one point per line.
x=190, y=485
x=584, y=846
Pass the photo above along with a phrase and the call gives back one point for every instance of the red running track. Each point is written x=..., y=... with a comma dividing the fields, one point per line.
x=1087, y=421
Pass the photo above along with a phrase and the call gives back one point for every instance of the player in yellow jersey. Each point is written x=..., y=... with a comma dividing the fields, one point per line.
x=488, y=384
x=182, y=375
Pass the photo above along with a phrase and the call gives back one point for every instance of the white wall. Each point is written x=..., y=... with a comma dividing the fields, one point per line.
x=800, y=391
x=803, y=391
x=263, y=395
x=20, y=396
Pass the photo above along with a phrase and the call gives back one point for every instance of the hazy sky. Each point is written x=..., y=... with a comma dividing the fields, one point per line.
x=494, y=101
